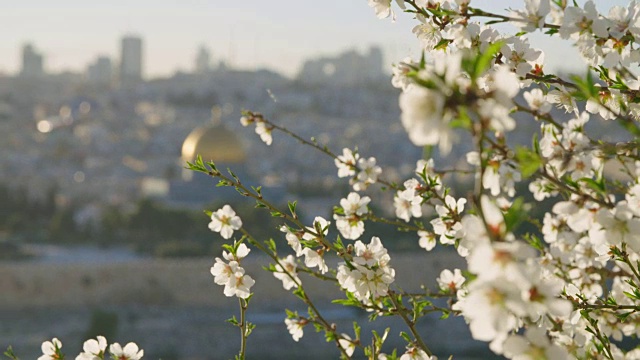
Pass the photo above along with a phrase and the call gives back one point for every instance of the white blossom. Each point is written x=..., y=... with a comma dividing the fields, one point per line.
x=346, y=163
x=350, y=227
x=400, y=79
x=319, y=229
x=286, y=272
x=129, y=352
x=577, y=22
x=520, y=56
x=223, y=271
x=239, y=284
x=367, y=174
x=447, y=225
x=353, y=204
x=50, y=349
x=535, y=344
x=620, y=225
x=533, y=16
x=312, y=259
x=491, y=308
x=372, y=254
x=624, y=20
x=295, y=328
x=428, y=33
x=407, y=202
x=563, y=99
x=537, y=101
x=293, y=240
x=383, y=7
x=424, y=118
x=347, y=344
x=450, y=281
x=415, y=353
x=264, y=131
x=427, y=240
x=93, y=349
x=500, y=260
x=225, y=221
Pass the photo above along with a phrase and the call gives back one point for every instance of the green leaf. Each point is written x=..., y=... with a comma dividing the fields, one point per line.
x=270, y=268
x=241, y=191
x=442, y=44
x=318, y=327
x=299, y=292
x=623, y=316
x=10, y=354
x=292, y=207
x=418, y=306
x=528, y=160
x=516, y=214
x=271, y=245
x=233, y=321
x=249, y=329
x=586, y=86
x=349, y=301
x=536, y=144
x=634, y=296
x=484, y=60
x=598, y=186
x=212, y=165
x=233, y=175
x=462, y=121
x=406, y=337
x=534, y=241
x=356, y=330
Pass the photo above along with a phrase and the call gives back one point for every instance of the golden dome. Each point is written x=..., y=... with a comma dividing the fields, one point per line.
x=214, y=143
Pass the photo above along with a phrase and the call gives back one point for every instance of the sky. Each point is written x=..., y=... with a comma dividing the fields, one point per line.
x=249, y=34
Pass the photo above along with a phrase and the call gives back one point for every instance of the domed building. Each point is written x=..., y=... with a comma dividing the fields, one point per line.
x=213, y=143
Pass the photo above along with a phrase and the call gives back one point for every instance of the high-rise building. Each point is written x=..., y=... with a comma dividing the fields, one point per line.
x=101, y=71
x=203, y=61
x=375, y=63
x=32, y=62
x=131, y=69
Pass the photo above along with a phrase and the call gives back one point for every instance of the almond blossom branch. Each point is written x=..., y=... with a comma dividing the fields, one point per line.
x=402, y=311
x=300, y=293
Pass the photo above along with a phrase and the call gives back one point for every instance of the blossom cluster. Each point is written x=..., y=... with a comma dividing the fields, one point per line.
x=93, y=349
x=368, y=275
x=468, y=79
x=230, y=274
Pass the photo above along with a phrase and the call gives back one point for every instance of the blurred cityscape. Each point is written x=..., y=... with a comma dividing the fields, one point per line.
x=89, y=157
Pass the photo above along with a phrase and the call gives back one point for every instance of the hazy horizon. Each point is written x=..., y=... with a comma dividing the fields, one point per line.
x=250, y=34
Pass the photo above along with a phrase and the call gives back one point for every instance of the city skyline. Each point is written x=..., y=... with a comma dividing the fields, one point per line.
x=248, y=35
